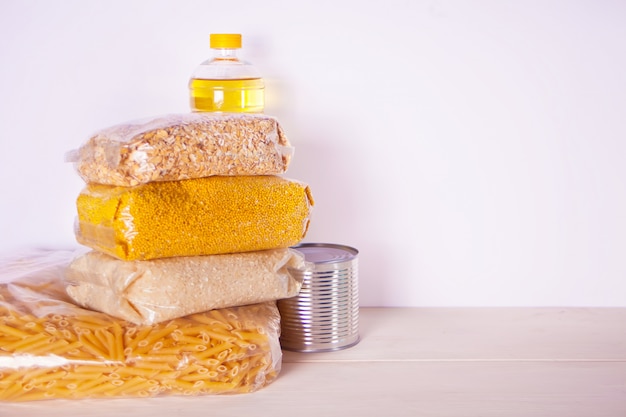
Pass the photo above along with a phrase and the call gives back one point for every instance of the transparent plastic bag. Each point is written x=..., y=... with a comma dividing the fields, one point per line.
x=183, y=146
x=203, y=216
x=148, y=292
x=51, y=348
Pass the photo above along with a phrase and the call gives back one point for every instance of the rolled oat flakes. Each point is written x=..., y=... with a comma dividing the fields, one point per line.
x=183, y=146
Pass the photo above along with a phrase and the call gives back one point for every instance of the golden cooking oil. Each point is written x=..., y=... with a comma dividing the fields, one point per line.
x=235, y=96
x=225, y=83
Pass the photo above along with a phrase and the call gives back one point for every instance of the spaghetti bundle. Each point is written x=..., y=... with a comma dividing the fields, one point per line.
x=51, y=348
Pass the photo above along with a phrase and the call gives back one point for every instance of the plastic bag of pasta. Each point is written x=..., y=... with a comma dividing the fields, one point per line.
x=202, y=216
x=51, y=348
x=148, y=292
x=182, y=146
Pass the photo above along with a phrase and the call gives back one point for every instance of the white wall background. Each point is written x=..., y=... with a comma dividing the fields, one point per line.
x=473, y=151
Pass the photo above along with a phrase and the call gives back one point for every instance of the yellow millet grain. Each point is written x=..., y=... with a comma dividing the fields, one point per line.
x=203, y=216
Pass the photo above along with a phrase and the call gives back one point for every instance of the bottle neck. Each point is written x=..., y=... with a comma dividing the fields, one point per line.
x=225, y=54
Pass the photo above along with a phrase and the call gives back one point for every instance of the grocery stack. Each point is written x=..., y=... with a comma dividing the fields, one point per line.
x=202, y=221
x=188, y=227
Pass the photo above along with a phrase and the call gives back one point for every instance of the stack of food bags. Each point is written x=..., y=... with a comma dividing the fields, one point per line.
x=190, y=228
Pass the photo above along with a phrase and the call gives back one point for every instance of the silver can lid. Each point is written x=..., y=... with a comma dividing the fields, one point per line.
x=326, y=253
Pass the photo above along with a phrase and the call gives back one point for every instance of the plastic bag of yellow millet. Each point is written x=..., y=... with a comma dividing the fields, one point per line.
x=203, y=216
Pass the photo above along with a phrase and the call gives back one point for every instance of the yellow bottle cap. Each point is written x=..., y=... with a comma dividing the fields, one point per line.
x=225, y=40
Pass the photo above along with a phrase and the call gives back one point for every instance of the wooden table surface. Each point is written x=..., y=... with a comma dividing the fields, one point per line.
x=478, y=362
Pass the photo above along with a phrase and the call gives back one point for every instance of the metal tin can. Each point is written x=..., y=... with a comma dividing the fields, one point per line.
x=324, y=316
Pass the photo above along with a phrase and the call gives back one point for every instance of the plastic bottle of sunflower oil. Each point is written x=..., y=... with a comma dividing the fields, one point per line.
x=224, y=83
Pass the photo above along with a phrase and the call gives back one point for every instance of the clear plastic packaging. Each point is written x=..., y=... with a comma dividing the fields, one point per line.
x=51, y=348
x=183, y=146
x=225, y=83
x=204, y=216
x=148, y=292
